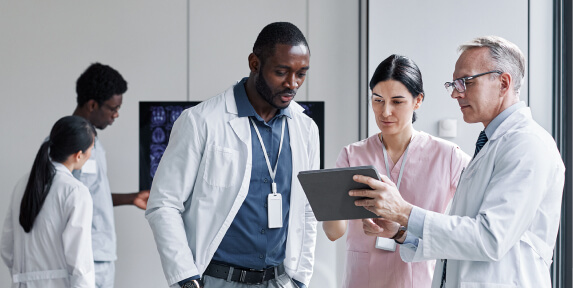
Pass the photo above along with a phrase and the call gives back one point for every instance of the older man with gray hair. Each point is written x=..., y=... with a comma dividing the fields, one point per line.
x=501, y=228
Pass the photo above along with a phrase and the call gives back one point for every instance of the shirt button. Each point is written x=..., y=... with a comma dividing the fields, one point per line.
x=262, y=231
x=266, y=180
x=261, y=256
x=266, y=205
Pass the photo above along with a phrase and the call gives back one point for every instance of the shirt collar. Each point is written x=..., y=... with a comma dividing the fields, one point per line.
x=244, y=106
x=501, y=117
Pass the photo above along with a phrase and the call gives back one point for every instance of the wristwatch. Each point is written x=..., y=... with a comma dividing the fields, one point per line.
x=191, y=284
x=400, y=233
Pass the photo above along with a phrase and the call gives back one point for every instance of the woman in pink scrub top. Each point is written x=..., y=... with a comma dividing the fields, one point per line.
x=425, y=169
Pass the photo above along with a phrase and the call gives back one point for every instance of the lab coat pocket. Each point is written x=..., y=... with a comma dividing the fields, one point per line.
x=221, y=166
x=467, y=177
x=469, y=171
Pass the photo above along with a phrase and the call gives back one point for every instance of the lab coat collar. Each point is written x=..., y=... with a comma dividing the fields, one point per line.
x=494, y=124
x=231, y=104
x=512, y=120
x=62, y=168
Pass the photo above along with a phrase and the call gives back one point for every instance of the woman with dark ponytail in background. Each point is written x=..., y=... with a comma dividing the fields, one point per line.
x=46, y=240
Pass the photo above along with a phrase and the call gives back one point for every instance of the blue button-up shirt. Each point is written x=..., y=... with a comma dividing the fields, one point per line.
x=249, y=242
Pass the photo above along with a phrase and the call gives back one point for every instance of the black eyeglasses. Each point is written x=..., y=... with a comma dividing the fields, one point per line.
x=460, y=83
x=113, y=110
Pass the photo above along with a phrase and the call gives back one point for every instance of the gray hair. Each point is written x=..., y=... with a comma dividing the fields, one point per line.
x=505, y=55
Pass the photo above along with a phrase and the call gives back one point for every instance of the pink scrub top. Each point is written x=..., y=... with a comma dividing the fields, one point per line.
x=429, y=181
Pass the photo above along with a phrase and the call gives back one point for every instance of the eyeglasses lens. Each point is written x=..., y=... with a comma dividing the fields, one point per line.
x=460, y=85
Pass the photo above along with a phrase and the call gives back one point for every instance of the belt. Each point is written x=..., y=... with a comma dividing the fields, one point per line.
x=243, y=275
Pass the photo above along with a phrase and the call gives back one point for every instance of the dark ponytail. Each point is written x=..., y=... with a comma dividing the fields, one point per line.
x=69, y=135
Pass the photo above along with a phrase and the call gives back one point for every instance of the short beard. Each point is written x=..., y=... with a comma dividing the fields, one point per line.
x=264, y=90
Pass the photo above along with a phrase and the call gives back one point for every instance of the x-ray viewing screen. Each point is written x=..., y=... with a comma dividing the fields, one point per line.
x=156, y=120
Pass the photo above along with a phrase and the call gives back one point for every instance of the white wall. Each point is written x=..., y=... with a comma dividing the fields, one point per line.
x=222, y=37
x=540, y=70
x=429, y=32
x=44, y=47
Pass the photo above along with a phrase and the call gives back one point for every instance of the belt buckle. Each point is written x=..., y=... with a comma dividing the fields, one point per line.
x=260, y=280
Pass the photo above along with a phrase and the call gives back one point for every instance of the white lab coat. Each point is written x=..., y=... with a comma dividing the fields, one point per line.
x=203, y=179
x=507, y=211
x=57, y=252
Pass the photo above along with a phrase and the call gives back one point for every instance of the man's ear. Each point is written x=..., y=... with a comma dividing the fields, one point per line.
x=505, y=82
x=92, y=105
x=254, y=63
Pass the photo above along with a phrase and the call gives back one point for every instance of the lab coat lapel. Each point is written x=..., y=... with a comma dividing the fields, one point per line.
x=240, y=125
x=297, y=149
x=241, y=128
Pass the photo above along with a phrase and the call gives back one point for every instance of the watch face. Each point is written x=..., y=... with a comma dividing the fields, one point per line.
x=191, y=284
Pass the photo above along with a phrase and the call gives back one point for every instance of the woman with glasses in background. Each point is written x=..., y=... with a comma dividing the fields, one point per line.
x=425, y=169
x=46, y=240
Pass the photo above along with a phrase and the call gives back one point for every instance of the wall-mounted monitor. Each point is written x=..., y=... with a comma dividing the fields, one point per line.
x=156, y=120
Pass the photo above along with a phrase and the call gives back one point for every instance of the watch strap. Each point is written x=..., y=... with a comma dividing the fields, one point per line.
x=400, y=233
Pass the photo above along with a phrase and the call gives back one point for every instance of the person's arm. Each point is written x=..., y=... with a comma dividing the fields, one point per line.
x=383, y=200
x=172, y=187
x=380, y=227
x=510, y=202
x=77, y=240
x=139, y=199
x=411, y=239
x=334, y=229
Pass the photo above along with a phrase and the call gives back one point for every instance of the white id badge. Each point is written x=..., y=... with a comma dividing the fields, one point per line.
x=90, y=167
x=275, y=209
x=385, y=244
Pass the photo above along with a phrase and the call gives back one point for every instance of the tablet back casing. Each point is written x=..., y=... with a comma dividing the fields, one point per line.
x=327, y=192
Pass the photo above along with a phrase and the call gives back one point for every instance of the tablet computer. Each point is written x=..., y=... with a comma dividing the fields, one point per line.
x=327, y=192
